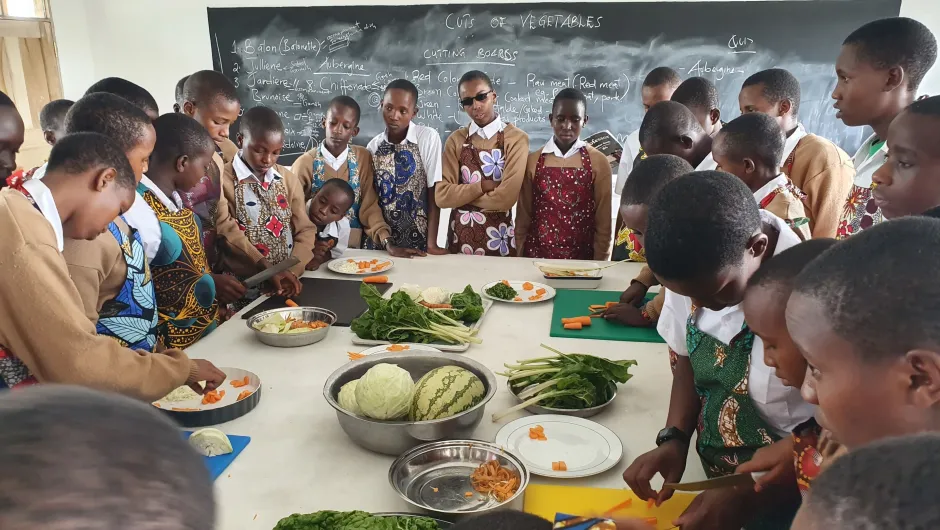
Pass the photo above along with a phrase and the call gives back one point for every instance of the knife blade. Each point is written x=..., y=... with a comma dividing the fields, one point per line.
x=271, y=272
x=730, y=481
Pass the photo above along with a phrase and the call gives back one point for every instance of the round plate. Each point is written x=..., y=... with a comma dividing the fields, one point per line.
x=377, y=266
x=192, y=413
x=524, y=294
x=408, y=348
x=586, y=447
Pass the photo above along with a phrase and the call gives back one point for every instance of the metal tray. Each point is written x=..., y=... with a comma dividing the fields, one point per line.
x=226, y=410
x=487, y=304
x=579, y=413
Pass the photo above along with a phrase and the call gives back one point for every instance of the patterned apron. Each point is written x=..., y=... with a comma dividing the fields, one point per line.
x=796, y=223
x=730, y=429
x=807, y=460
x=203, y=200
x=401, y=182
x=860, y=212
x=473, y=231
x=352, y=164
x=185, y=289
x=626, y=244
x=563, y=212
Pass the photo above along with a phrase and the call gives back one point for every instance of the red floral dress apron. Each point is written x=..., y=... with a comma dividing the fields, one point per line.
x=563, y=210
x=473, y=231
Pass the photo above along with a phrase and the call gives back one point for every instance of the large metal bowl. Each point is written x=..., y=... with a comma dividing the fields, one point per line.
x=396, y=437
x=294, y=340
x=436, y=476
x=580, y=413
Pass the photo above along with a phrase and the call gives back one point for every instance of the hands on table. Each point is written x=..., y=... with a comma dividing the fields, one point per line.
x=402, y=252
x=635, y=295
x=628, y=315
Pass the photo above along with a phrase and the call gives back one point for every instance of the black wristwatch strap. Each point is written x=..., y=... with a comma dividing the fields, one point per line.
x=672, y=433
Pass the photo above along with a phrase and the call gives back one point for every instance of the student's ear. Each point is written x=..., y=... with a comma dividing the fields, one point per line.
x=785, y=107
x=323, y=123
x=586, y=117
x=104, y=177
x=687, y=142
x=176, y=108
x=355, y=131
x=181, y=162
x=714, y=115
x=239, y=140
x=749, y=165
x=925, y=377
x=49, y=137
x=550, y=120
x=758, y=244
x=189, y=108
x=896, y=77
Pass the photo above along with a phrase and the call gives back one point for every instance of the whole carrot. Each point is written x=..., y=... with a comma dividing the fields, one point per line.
x=376, y=279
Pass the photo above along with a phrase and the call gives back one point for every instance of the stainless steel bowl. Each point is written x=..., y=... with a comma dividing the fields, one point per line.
x=580, y=413
x=436, y=476
x=396, y=437
x=294, y=340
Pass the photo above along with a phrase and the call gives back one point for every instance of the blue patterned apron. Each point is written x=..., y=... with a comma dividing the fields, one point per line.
x=352, y=164
x=401, y=182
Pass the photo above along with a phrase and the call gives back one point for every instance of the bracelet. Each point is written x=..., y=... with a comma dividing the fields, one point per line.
x=646, y=315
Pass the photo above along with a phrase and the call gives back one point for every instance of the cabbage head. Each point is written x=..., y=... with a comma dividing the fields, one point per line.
x=385, y=392
x=347, y=398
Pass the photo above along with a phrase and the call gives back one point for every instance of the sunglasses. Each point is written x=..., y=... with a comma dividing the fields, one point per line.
x=466, y=102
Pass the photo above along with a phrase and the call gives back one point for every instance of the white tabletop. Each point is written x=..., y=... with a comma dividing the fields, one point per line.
x=300, y=460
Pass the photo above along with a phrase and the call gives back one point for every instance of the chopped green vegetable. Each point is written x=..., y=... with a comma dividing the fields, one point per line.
x=502, y=291
x=330, y=520
x=467, y=306
x=565, y=381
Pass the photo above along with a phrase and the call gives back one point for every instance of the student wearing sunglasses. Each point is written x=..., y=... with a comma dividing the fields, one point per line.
x=484, y=166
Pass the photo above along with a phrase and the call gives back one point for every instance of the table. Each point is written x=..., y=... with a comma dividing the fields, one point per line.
x=300, y=460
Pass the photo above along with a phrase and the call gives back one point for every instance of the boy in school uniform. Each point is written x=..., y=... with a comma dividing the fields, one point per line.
x=337, y=158
x=52, y=119
x=815, y=165
x=484, y=166
x=670, y=128
x=701, y=97
x=327, y=210
x=88, y=183
x=749, y=147
x=909, y=182
x=76, y=458
x=136, y=94
x=565, y=197
x=265, y=220
x=879, y=69
x=12, y=136
x=705, y=238
x=407, y=168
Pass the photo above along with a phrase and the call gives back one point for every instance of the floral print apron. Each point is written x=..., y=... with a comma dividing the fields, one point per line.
x=203, y=200
x=401, y=182
x=263, y=212
x=563, y=211
x=352, y=164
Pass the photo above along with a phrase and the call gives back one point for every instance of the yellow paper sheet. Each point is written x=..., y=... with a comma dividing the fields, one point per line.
x=547, y=500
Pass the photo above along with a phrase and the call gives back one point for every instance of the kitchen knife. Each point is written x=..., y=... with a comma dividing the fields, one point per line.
x=271, y=272
x=743, y=479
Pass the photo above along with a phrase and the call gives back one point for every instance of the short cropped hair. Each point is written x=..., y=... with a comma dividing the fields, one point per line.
x=778, y=84
x=348, y=102
x=132, y=92
x=698, y=224
x=933, y=212
x=782, y=269
x=110, y=115
x=403, y=84
x=896, y=41
x=80, y=152
x=341, y=185
x=179, y=135
x=889, y=485
x=178, y=92
x=570, y=94
x=650, y=175
x=662, y=76
x=5, y=101
x=754, y=135
x=205, y=86
x=259, y=121
x=666, y=119
x=878, y=288
x=505, y=520
x=52, y=115
x=926, y=107
x=697, y=93
x=474, y=75
x=79, y=458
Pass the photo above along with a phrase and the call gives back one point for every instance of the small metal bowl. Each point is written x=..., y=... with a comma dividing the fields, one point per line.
x=580, y=413
x=395, y=437
x=436, y=476
x=294, y=340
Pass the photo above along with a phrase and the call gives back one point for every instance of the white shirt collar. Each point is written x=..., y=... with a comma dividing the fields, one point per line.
x=242, y=171
x=791, y=142
x=336, y=162
x=46, y=203
x=169, y=203
x=490, y=130
x=552, y=148
x=708, y=164
x=330, y=230
x=779, y=181
x=411, y=136
x=40, y=172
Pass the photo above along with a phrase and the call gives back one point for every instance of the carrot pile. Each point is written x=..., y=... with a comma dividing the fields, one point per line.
x=369, y=266
x=493, y=479
x=316, y=324
x=538, y=433
x=243, y=395
x=212, y=396
x=376, y=279
x=238, y=383
x=559, y=466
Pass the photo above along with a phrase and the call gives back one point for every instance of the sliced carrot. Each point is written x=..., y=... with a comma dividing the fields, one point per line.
x=569, y=320
x=353, y=356
x=238, y=383
x=534, y=298
x=527, y=286
x=350, y=260
x=540, y=291
x=376, y=279
x=609, y=304
x=506, y=283
x=651, y=521
x=622, y=506
x=435, y=490
x=562, y=466
x=554, y=466
x=584, y=321
x=650, y=503
x=157, y=405
x=290, y=303
x=374, y=261
x=468, y=494
x=573, y=325
x=595, y=307
x=243, y=395
x=396, y=347
x=517, y=299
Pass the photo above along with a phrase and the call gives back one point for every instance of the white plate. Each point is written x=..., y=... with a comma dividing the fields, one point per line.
x=334, y=265
x=517, y=285
x=586, y=447
x=230, y=397
x=409, y=348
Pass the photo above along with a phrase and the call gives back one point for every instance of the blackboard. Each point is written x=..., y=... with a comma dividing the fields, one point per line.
x=295, y=59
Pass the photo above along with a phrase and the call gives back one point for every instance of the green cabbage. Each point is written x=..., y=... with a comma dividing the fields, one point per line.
x=384, y=392
x=347, y=398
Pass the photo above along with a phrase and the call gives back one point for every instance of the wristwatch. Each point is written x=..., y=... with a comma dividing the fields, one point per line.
x=385, y=241
x=672, y=433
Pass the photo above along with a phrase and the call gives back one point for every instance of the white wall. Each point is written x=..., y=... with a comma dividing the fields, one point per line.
x=155, y=43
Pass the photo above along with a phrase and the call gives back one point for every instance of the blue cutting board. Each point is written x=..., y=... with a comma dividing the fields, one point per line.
x=217, y=464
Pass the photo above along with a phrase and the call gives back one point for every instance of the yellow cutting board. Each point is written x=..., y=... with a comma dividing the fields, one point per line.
x=546, y=500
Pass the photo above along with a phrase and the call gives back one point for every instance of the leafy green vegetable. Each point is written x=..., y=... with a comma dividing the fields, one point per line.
x=502, y=291
x=401, y=319
x=565, y=381
x=467, y=306
x=329, y=520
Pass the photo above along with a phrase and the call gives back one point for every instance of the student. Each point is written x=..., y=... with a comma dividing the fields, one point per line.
x=891, y=484
x=565, y=197
x=872, y=351
x=647, y=178
x=112, y=272
x=749, y=147
x=909, y=181
x=132, y=92
x=815, y=165
x=186, y=288
x=338, y=158
x=88, y=183
x=404, y=191
x=800, y=457
x=265, y=220
x=484, y=166
x=178, y=99
x=701, y=97
x=12, y=136
x=705, y=238
x=75, y=458
x=327, y=210
x=52, y=119
x=505, y=520
x=879, y=69
x=670, y=128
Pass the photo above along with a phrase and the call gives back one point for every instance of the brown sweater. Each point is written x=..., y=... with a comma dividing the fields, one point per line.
x=602, y=192
x=229, y=150
x=97, y=268
x=45, y=326
x=825, y=173
x=241, y=258
x=450, y=193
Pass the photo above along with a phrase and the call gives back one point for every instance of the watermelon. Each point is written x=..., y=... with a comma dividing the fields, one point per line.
x=444, y=392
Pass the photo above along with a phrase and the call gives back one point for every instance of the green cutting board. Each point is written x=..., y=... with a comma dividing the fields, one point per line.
x=574, y=303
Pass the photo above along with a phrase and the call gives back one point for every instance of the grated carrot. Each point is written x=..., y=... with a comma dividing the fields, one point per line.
x=493, y=479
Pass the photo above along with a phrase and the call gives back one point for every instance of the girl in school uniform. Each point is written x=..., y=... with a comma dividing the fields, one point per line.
x=484, y=166
x=565, y=196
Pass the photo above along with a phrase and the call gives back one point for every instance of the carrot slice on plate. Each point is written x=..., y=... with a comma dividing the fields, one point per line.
x=527, y=286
